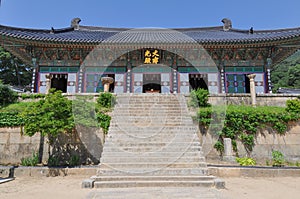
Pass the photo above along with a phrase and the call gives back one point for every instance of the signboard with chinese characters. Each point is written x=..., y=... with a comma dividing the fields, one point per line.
x=151, y=56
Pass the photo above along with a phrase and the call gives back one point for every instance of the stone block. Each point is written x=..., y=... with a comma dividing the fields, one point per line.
x=88, y=184
x=22, y=172
x=219, y=183
x=39, y=171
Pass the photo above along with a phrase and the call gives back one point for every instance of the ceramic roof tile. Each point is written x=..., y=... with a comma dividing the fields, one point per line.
x=87, y=34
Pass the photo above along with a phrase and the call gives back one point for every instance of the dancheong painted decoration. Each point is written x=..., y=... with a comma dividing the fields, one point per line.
x=151, y=59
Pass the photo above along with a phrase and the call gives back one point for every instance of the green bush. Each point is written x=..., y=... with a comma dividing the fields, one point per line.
x=53, y=161
x=106, y=100
x=277, y=158
x=33, y=96
x=30, y=161
x=219, y=146
x=104, y=121
x=7, y=96
x=11, y=119
x=74, y=161
x=245, y=161
x=243, y=122
x=293, y=106
x=199, y=98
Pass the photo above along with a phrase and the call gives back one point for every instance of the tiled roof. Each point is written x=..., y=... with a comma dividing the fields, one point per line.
x=86, y=34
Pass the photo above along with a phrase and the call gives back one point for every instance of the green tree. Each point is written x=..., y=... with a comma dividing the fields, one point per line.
x=50, y=116
x=7, y=96
x=287, y=73
x=13, y=71
x=294, y=76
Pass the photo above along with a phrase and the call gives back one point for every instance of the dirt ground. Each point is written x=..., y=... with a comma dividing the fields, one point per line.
x=70, y=187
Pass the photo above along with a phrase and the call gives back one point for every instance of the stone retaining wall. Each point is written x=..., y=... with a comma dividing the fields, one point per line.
x=245, y=99
x=265, y=143
x=85, y=144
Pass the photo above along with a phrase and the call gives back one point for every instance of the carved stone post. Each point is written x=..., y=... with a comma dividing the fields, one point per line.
x=228, y=152
x=106, y=81
x=48, y=83
x=252, y=89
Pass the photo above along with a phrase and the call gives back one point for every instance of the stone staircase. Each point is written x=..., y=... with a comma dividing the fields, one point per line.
x=152, y=142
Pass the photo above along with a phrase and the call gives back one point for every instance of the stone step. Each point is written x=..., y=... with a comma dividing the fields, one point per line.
x=126, y=184
x=152, y=165
x=152, y=142
x=115, y=143
x=117, y=128
x=166, y=138
x=154, y=172
x=152, y=178
x=155, y=154
x=149, y=149
x=152, y=159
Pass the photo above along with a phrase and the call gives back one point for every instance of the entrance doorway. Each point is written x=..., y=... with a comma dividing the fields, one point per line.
x=151, y=83
x=198, y=81
x=59, y=82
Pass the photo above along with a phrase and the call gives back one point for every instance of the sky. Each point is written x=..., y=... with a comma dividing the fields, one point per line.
x=44, y=14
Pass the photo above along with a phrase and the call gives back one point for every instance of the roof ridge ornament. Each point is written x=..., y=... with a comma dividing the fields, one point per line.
x=227, y=24
x=75, y=23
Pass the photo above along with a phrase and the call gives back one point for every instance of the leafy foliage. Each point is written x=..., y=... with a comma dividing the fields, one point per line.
x=13, y=71
x=84, y=111
x=30, y=161
x=199, y=97
x=243, y=122
x=106, y=100
x=277, y=158
x=49, y=116
x=32, y=96
x=7, y=96
x=287, y=73
x=245, y=161
x=293, y=106
x=11, y=119
x=104, y=121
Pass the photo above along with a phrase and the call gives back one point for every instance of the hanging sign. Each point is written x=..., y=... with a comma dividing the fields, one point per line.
x=151, y=57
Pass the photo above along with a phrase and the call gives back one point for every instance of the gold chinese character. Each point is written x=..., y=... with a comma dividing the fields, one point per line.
x=155, y=53
x=147, y=53
x=155, y=60
x=147, y=60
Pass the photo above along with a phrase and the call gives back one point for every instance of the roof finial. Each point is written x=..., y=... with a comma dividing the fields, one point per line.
x=75, y=23
x=227, y=24
x=251, y=31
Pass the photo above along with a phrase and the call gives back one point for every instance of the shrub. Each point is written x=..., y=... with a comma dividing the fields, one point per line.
x=277, y=158
x=106, y=100
x=74, y=160
x=245, y=161
x=219, y=146
x=30, y=161
x=7, y=96
x=199, y=97
x=104, y=121
x=33, y=96
x=53, y=161
x=293, y=105
x=244, y=122
x=10, y=119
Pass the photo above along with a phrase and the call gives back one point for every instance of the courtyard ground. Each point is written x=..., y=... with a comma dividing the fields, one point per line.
x=70, y=187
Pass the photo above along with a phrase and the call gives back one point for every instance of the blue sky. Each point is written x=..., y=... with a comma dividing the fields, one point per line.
x=260, y=14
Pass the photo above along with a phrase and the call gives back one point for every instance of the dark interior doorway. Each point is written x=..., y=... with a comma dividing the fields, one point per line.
x=151, y=83
x=59, y=82
x=198, y=81
x=247, y=84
